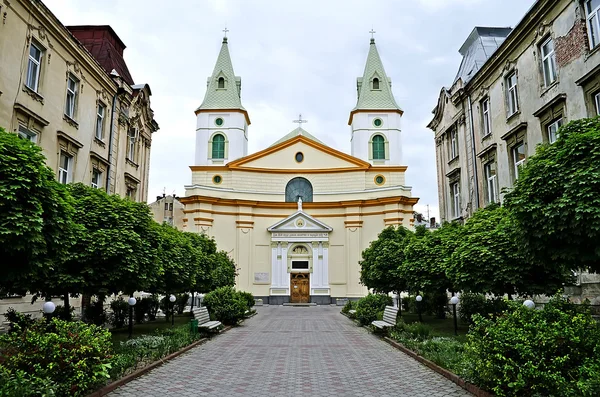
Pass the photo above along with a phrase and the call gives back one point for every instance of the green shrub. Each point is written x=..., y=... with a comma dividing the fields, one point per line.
x=120, y=312
x=20, y=383
x=550, y=352
x=248, y=298
x=18, y=321
x=95, y=313
x=62, y=313
x=350, y=305
x=74, y=356
x=471, y=304
x=225, y=305
x=418, y=331
x=181, y=302
x=371, y=307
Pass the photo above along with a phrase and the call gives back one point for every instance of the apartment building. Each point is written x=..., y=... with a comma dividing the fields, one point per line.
x=513, y=91
x=168, y=209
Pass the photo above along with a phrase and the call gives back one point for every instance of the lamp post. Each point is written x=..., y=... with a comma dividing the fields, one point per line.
x=454, y=302
x=132, y=301
x=529, y=304
x=172, y=300
x=48, y=309
x=419, y=298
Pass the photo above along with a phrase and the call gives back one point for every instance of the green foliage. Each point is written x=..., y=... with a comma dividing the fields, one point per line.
x=248, y=298
x=555, y=199
x=95, y=313
x=379, y=267
x=71, y=358
x=226, y=305
x=223, y=271
x=550, y=352
x=35, y=214
x=350, y=305
x=18, y=321
x=471, y=304
x=371, y=307
x=20, y=383
x=120, y=313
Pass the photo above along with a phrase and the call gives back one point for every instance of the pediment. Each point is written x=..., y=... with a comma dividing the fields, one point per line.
x=300, y=221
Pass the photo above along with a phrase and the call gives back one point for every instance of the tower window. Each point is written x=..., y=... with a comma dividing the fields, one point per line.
x=218, y=147
x=377, y=122
x=221, y=83
x=375, y=83
x=378, y=148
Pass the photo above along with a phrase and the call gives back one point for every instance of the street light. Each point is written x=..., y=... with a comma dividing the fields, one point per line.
x=529, y=304
x=454, y=302
x=48, y=309
x=132, y=301
x=419, y=298
x=172, y=299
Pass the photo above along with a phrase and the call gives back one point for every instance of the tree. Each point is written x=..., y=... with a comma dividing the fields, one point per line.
x=223, y=271
x=556, y=203
x=488, y=258
x=381, y=261
x=36, y=227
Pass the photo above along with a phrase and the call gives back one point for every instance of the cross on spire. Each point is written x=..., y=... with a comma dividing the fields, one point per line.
x=372, y=33
x=225, y=31
x=300, y=121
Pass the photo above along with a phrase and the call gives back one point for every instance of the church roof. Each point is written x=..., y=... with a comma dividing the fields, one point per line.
x=376, y=99
x=296, y=132
x=228, y=97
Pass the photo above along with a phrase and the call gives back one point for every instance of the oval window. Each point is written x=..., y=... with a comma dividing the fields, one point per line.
x=299, y=157
x=219, y=121
x=379, y=180
x=217, y=179
x=377, y=122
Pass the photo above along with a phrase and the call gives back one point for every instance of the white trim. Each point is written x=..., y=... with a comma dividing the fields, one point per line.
x=491, y=182
x=38, y=64
x=553, y=130
x=455, y=199
x=229, y=189
x=518, y=163
x=512, y=94
x=323, y=227
x=100, y=115
x=65, y=175
x=485, y=114
x=548, y=60
x=597, y=103
x=593, y=24
x=98, y=183
x=71, y=99
x=26, y=133
x=453, y=143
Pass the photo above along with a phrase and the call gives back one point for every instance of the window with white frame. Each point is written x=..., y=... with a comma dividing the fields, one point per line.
x=25, y=133
x=592, y=12
x=553, y=130
x=101, y=111
x=453, y=144
x=548, y=61
x=455, y=191
x=597, y=102
x=65, y=168
x=485, y=116
x=512, y=98
x=96, y=179
x=72, y=84
x=491, y=182
x=518, y=153
x=34, y=66
x=131, y=138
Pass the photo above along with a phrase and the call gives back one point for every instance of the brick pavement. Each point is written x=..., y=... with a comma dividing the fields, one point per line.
x=293, y=351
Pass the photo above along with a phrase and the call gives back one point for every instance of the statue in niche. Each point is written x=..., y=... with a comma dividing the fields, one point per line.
x=299, y=203
x=300, y=249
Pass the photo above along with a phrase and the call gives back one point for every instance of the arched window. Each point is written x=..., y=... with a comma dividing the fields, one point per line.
x=375, y=83
x=296, y=188
x=218, y=147
x=221, y=82
x=378, y=148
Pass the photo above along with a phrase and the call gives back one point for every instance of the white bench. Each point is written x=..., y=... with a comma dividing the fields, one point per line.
x=352, y=312
x=389, y=318
x=201, y=314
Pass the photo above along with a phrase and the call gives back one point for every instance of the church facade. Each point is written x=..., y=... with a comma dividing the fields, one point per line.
x=296, y=216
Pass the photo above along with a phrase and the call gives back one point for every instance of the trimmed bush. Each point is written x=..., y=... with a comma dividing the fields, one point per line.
x=248, y=298
x=225, y=305
x=71, y=358
x=120, y=313
x=371, y=307
x=549, y=352
x=350, y=305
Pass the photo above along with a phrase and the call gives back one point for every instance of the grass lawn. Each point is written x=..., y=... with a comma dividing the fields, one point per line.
x=441, y=327
x=121, y=334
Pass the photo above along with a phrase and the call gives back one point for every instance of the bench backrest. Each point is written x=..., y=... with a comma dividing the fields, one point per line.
x=389, y=314
x=201, y=314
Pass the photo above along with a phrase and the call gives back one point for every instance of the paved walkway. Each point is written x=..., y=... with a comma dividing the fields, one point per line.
x=293, y=351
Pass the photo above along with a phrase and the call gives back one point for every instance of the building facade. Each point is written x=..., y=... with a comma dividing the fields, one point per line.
x=68, y=90
x=513, y=91
x=168, y=209
x=296, y=216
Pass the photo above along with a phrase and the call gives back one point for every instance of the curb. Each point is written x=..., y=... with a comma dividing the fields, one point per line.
x=126, y=379
x=471, y=388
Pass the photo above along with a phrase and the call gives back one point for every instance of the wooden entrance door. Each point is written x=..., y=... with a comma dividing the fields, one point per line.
x=300, y=288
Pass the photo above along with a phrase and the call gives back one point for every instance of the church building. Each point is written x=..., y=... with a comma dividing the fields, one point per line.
x=296, y=216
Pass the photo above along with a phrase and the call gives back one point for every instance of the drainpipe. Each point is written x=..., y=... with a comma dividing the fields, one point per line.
x=120, y=91
x=475, y=178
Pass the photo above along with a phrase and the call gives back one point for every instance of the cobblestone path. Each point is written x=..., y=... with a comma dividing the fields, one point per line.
x=293, y=351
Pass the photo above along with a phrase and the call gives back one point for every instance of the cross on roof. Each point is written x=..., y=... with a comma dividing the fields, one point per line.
x=300, y=121
x=372, y=33
x=225, y=31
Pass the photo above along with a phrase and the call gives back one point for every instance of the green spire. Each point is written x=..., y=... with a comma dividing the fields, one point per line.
x=224, y=88
x=369, y=95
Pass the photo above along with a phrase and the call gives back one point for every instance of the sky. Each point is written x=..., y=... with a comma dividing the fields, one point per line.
x=293, y=57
